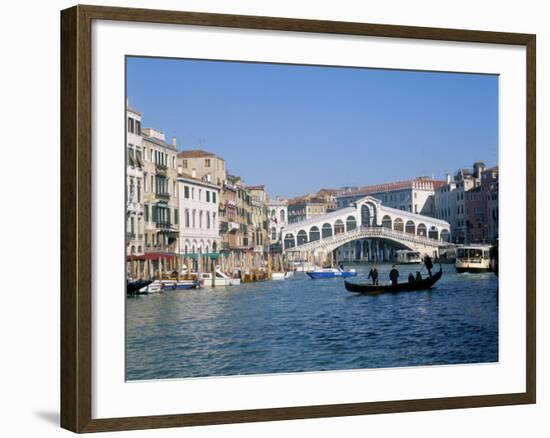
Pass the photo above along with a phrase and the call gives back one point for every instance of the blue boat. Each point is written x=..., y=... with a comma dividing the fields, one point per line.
x=331, y=273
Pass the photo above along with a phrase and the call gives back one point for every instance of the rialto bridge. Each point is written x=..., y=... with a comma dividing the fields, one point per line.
x=368, y=221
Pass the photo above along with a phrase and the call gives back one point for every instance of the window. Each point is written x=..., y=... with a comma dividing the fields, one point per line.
x=130, y=124
x=207, y=196
x=187, y=218
x=184, y=164
x=138, y=127
x=214, y=197
x=186, y=192
x=207, y=162
x=173, y=162
x=176, y=216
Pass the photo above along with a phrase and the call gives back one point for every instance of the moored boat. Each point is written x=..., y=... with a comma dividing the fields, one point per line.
x=281, y=275
x=375, y=289
x=331, y=273
x=133, y=287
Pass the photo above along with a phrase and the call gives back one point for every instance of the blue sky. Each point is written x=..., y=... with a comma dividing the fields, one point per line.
x=300, y=128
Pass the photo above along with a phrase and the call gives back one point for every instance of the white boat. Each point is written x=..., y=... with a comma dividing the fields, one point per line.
x=220, y=280
x=154, y=287
x=281, y=275
x=473, y=258
x=303, y=266
x=407, y=257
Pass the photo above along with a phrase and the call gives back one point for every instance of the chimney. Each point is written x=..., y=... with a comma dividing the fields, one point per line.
x=174, y=142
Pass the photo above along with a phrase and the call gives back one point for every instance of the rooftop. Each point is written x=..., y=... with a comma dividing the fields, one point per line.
x=386, y=187
x=196, y=153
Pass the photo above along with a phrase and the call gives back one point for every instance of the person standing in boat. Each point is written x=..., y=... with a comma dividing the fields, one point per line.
x=411, y=278
x=394, y=275
x=374, y=275
x=429, y=264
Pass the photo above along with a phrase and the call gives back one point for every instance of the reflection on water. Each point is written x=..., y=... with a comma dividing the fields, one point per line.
x=311, y=325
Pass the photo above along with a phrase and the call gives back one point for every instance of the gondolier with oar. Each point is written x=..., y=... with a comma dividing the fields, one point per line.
x=429, y=264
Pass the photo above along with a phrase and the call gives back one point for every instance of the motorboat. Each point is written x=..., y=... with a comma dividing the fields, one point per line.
x=331, y=273
x=281, y=275
x=376, y=289
x=221, y=279
x=473, y=258
x=133, y=287
x=407, y=257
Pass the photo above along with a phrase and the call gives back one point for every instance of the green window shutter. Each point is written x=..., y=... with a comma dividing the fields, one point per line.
x=155, y=213
x=146, y=211
x=168, y=215
x=176, y=216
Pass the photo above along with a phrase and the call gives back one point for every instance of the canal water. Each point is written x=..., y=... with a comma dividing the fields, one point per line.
x=311, y=325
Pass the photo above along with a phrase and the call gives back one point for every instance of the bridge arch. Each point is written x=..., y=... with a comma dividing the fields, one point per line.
x=386, y=221
x=326, y=230
x=301, y=237
x=351, y=223
x=369, y=214
x=289, y=241
x=314, y=234
x=398, y=224
x=410, y=227
x=421, y=230
x=339, y=227
x=433, y=233
x=445, y=235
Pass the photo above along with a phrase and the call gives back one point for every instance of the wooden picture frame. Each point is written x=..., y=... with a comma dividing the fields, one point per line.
x=76, y=217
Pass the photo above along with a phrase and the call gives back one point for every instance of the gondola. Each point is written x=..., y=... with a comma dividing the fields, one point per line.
x=372, y=289
x=133, y=287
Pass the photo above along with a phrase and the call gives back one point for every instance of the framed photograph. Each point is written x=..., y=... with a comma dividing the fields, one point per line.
x=270, y=218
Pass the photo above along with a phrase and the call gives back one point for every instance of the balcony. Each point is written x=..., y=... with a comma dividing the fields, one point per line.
x=161, y=168
x=163, y=195
x=232, y=226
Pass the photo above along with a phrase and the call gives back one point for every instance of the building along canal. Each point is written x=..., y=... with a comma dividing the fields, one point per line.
x=301, y=324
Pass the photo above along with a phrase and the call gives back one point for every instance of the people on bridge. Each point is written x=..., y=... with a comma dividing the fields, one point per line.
x=374, y=275
x=411, y=278
x=394, y=275
x=418, y=276
x=429, y=264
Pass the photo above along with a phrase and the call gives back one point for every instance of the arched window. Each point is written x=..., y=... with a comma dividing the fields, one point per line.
x=421, y=230
x=433, y=233
x=338, y=227
x=273, y=233
x=214, y=247
x=289, y=241
x=208, y=220
x=326, y=230
x=387, y=222
x=282, y=215
x=302, y=237
x=365, y=216
x=351, y=223
x=314, y=234
x=410, y=228
x=398, y=224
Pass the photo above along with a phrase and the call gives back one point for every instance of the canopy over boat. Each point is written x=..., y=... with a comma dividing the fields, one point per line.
x=373, y=289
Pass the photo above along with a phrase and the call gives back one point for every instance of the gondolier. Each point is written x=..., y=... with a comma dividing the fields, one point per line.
x=429, y=264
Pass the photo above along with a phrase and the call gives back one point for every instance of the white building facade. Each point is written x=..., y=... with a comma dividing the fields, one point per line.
x=415, y=196
x=277, y=215
x=199, y=224
x=134, y=184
